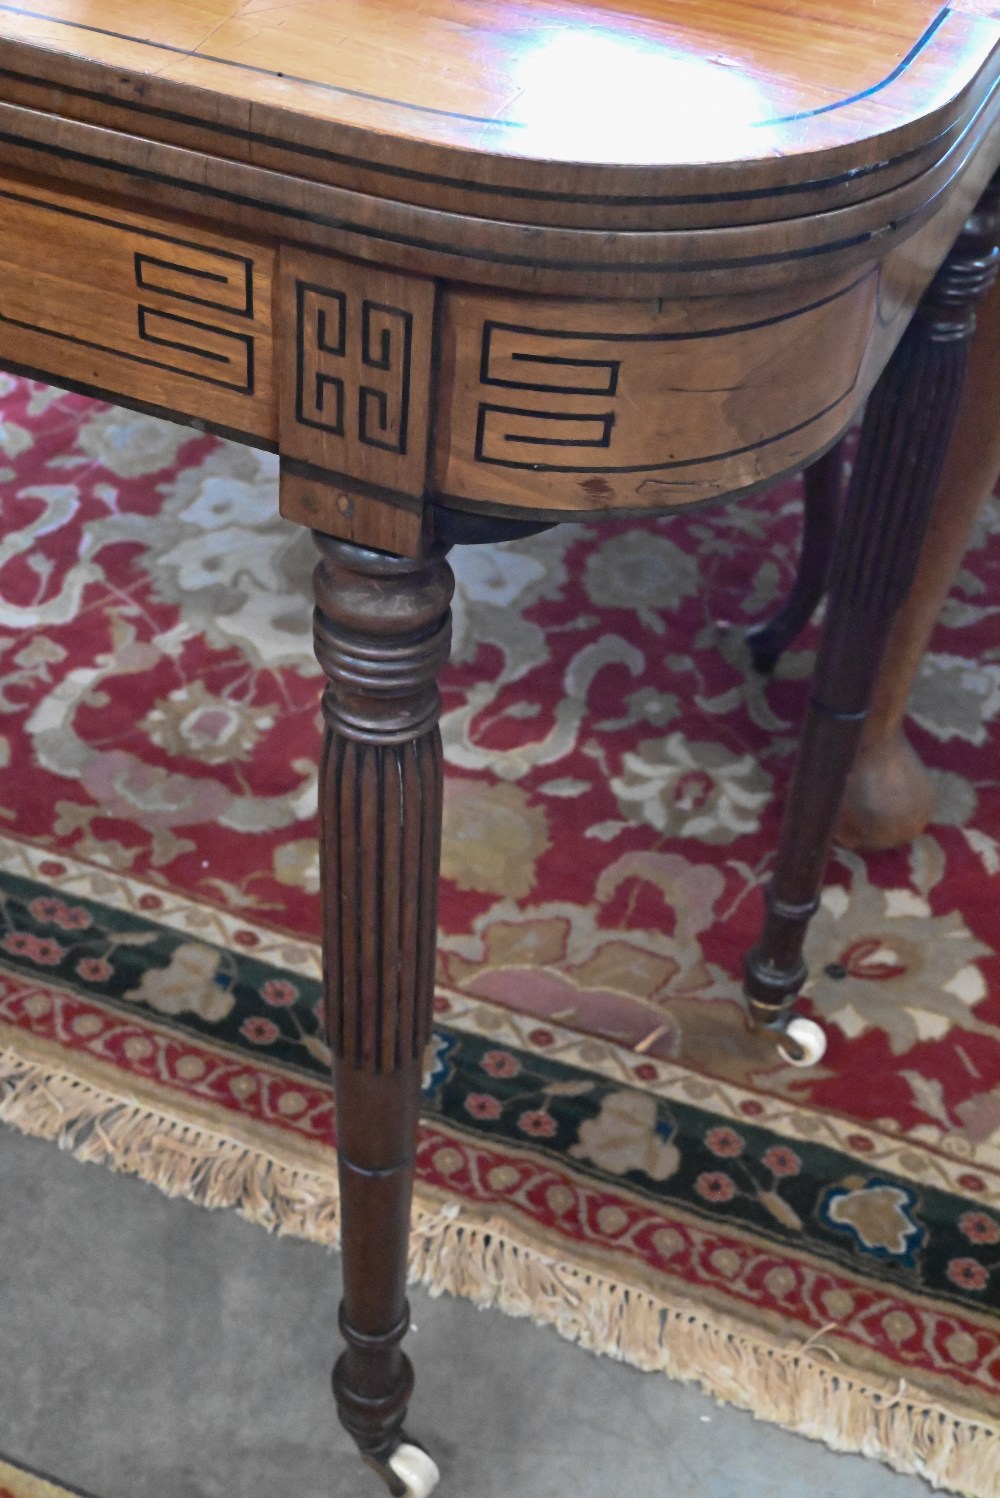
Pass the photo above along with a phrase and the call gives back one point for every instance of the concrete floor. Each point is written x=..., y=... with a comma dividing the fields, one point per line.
x=151, y=1349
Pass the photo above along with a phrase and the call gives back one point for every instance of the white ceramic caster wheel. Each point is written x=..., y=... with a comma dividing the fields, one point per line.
x=807, y=1042
x=412, y=1465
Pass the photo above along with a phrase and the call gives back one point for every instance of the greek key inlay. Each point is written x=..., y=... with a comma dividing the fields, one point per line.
x=361, y=376
x=136, y=309
x=378, y=409
x=320, y=341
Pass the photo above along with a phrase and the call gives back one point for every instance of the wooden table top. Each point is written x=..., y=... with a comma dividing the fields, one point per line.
x=541, y=111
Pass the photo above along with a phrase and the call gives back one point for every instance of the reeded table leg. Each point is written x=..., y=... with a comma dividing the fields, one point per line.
x=823, y=482
x=382, y=633
x=889, y=797
x=903, y=441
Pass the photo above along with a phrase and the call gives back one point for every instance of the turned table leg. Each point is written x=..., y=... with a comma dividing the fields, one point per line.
x=889, y=797
x=903, y=442
x=823, y=483
x=382, y=633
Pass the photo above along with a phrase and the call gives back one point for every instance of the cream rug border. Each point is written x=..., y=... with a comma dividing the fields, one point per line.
x=23, y=1484
x=939, y=1165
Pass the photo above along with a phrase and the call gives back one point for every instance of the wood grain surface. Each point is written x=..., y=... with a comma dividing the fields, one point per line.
x=665, y=82
x=111, y=299
x=663, y=113
x=355, y=345
x=385, y=389
x=577, y=406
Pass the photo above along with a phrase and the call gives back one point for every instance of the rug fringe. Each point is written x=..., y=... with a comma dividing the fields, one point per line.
x=18, y=1482
x=181, y=1159
x=495, y=1264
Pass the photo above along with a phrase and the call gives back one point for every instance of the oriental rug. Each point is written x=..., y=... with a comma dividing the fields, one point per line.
x=605, y=1146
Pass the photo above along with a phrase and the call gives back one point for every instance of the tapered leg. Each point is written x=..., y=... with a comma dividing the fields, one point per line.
x=823, y=482
x=903, y=442
x=382, y=631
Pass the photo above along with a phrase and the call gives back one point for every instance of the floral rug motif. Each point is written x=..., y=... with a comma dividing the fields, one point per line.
x=605, y=1145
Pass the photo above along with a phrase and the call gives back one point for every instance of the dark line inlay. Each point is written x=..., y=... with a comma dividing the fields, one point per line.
x=471, y=185
x=538, y=467
x=471, y=119
x=243, y=385
x=286, y=212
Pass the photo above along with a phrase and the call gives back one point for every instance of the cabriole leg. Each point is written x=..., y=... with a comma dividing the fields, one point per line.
x=382, y=633
x=890, y=796
x=903, y=442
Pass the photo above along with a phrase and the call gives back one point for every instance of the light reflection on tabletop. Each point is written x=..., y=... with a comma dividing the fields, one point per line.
x=646, y=95
x=656, y=82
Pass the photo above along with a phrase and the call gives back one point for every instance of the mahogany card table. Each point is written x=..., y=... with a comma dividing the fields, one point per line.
x=473, y=268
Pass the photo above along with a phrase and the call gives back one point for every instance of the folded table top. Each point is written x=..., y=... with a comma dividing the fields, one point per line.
x=657, y=115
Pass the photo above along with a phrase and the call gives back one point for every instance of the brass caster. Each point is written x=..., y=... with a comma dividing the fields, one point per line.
x=802, y=1042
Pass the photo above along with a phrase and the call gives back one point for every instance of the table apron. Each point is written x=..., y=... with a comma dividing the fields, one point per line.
x=382, y=389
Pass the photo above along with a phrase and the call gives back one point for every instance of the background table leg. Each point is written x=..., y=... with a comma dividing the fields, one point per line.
x=889, y=797
x=382, y=633
x=823, y=482
x=904, y=438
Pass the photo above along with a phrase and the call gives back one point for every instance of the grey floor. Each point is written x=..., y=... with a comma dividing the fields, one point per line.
x=151, y=1349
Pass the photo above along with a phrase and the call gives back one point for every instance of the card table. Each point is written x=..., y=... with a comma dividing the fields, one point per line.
x=471, y=269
